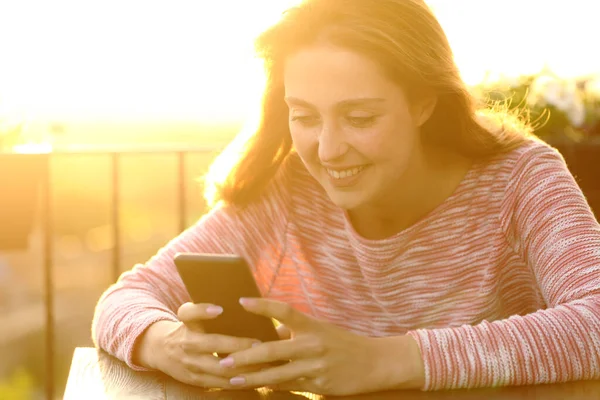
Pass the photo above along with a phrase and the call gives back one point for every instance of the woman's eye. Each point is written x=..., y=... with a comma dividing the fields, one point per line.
x=361, y=122
x=305, y=120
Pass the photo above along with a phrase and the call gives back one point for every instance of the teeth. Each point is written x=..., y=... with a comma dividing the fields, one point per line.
x=345, y=173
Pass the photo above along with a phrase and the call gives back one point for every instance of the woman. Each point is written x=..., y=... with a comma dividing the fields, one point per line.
x=403, y=238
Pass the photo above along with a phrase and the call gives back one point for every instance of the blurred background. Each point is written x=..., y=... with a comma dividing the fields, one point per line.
x=129, y=101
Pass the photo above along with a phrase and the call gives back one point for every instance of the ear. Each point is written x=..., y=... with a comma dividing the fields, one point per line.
x=423, y=107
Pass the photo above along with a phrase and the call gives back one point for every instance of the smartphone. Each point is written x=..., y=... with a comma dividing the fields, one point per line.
x=222, y=280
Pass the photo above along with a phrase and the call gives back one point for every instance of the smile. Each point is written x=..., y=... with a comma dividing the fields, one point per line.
x=345, y=173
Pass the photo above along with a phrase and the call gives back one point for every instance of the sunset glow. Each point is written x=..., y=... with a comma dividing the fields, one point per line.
x=33, y=148
x=193, y=59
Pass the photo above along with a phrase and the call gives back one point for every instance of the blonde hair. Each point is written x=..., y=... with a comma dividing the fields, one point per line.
x=406, y=40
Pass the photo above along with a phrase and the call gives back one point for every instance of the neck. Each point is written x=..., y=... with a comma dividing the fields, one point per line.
x=429, y=180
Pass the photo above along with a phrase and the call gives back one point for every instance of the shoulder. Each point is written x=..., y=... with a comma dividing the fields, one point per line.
x=536, y=164
x=536, y=180
x=523, y=176
x=534, y=159
x=536, y=155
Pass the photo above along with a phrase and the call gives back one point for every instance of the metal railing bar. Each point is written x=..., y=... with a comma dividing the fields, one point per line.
x=115, y=153
x=182, y=198
x=48, y=227
x=136, y=150
x=115, y=223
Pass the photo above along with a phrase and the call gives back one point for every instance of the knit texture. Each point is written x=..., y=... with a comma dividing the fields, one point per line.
x=499, y=285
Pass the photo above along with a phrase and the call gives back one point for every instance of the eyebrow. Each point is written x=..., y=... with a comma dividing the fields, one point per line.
x=343, y=104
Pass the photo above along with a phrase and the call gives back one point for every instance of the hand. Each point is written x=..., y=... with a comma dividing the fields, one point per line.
x=183, y=351
x=325, y=359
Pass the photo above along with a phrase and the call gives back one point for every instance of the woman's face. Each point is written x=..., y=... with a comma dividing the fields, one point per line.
x=353, y=128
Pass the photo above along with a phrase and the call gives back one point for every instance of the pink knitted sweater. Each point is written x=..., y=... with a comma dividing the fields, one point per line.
x=499, y=285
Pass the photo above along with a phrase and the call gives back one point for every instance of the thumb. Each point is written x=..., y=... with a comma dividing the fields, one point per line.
x=278, y=310
x=192, y=315
x=284, y=332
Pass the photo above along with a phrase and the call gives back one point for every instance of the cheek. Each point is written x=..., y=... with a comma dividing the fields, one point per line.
x=370, y=146
x=379, y=144
x=387, y=146
x=304, y=141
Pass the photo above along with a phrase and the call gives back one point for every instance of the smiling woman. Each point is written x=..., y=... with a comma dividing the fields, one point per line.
x=404, y=235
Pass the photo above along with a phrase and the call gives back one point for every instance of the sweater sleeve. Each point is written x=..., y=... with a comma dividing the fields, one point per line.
x=154, y=291
x=549, y=224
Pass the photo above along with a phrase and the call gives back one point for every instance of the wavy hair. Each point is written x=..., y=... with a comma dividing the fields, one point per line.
x=408, y=43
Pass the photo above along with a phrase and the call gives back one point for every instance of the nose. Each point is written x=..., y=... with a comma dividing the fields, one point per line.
x=332, y=143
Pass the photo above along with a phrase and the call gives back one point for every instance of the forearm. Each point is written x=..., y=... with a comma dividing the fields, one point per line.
x=549, y=346
x=154, y=291
x=122, y=316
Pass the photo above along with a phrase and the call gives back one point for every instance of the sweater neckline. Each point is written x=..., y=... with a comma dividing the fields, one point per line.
x=401, y=235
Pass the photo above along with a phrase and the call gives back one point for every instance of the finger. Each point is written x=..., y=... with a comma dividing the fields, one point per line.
x=206, y=380
x=223, y=344
x=284, y=332
x=274, y=376
x=190, y=313
x=269, y=352
x=281, y=311
x=208, y=364
x=299, y=385
x=203, y=364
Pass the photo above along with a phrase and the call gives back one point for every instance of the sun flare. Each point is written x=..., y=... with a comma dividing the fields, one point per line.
x=192, y=60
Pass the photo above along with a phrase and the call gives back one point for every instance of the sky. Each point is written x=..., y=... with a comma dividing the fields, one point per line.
x=192, y=59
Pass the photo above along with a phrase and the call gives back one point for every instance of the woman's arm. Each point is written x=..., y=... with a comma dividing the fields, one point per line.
x=550, y=225
x=154, y=291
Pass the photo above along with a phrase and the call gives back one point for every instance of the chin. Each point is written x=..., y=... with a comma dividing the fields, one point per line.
x=346, y=201
x=346, y=198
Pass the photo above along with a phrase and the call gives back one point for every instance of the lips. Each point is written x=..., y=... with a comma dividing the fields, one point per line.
x=344, y=173
x=345, y=177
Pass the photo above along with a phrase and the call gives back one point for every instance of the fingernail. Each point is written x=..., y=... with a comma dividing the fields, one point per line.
x=238, y=380
x=246, y=301
x=227, y=362
x=256, y=344
x=214, y=310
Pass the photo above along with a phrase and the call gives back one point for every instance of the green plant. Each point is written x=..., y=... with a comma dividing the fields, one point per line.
x=559, y=109
x=19, y=386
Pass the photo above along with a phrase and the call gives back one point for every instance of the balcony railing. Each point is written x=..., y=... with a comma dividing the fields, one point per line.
x=116, y=156
x=115, y=223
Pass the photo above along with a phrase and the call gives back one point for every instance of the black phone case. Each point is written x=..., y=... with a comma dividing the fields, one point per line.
x=222, y=280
